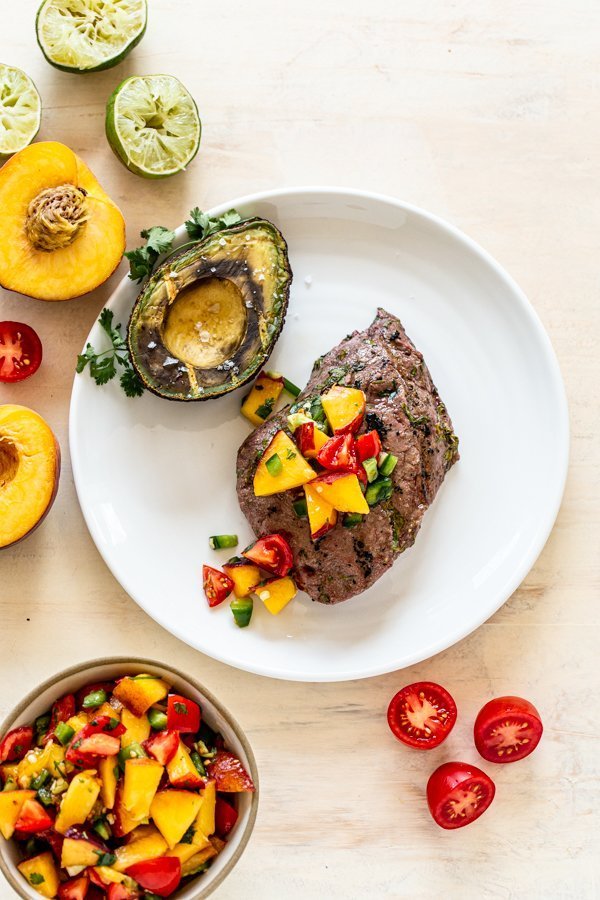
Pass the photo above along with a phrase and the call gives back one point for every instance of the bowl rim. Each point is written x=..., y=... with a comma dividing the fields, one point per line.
x=9, y=871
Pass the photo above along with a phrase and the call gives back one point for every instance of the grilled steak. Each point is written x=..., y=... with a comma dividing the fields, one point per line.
x=403, y=405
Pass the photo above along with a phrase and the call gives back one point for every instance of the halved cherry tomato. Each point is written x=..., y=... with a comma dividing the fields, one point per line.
x=33, y=818
x=225, y=817
x=368, y=445
x=62, y=710
x=75, y=888
x=100, y=745
x=271, y=553
x=217, y=585
x=507, y=729
x=339, y=454
x=163, y=745
x=20, y=351
x=229, y=774
x=458, y=793
x=422, y=715
x=16, y=744
x=182, y=714
x=160, y=876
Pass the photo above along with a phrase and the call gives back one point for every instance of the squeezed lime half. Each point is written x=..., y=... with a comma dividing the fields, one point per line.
x=20, y=110
x=89, y=35
x=152, y=124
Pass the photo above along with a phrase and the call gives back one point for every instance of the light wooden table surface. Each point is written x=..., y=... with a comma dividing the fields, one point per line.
x=486, y=113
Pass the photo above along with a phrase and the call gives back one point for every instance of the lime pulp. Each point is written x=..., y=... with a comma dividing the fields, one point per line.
x=20, y=110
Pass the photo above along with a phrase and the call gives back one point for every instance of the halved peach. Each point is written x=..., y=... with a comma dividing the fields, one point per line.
x=29, y=472
x=345, y=408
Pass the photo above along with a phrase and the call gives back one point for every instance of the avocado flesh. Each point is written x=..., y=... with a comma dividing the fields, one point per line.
x=208, y=319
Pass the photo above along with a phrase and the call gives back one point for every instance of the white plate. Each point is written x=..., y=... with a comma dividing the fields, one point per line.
x=156, y=478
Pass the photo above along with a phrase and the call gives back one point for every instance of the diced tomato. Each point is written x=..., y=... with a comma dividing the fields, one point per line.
x=160, y=876
x=368, y=445
x=271, y=553
x=83, y=751
x=458, y=793
x=339, y=454
x=74, y=889
x=304, y=435
x=225, y=817
x=121, y=892
x=217, y=585
x=422, y=715
x=20, y=351
x=33, y=818
x=16, y=744
x=182, y=714
x=95, y=878
x=62, y=710
x=507, y=729
x=163, y=745
x=107, y=686
x=229, y=774
x=100, y=745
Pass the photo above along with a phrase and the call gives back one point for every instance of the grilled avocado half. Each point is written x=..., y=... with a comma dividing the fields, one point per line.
x=208, y=319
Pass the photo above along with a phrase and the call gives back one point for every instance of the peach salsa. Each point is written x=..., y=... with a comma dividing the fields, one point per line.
x=120, y=791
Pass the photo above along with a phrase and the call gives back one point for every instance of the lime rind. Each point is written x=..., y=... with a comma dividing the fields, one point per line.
x=152, y=124
x=89, y=35
x=20, y=110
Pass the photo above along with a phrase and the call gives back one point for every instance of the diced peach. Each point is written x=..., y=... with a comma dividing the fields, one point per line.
x=320, y=439
x=11, y=804
x=260, y=402
x=78, y=851
x=173, y=812
x=43, y=866
x=78, y=802
x=289, y=469
x=137, y=728
x=50, y=757
x=181, y=770
x=138, y=851
x=342, y=492
x=124, y=822
x=276, y=593
x=244, y=574
x=205, y=821
x=184, y=852
x=29, y=472
x=139, y=692
x=107, y=770
x=195, y=862
x=345, y=408
x=109, y=875
x=142, y=777
x=322, y=516
x=78, y=722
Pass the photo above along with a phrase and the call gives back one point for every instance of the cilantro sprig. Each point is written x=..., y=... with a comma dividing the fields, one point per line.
x=103, y=365
x=159, y=240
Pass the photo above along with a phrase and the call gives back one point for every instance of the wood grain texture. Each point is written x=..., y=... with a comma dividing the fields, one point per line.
x=488, y=114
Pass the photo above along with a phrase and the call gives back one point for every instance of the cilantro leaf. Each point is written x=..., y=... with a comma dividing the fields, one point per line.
x=36, y=878
x=131, y=383
x=103, y=365
x=143, y=259
x=200, y=224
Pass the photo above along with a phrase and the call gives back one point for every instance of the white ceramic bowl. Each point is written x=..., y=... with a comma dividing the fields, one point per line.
x=76, y=677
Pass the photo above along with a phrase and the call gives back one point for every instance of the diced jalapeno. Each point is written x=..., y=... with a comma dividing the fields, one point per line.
x=370, y=467
x=40, y=780
x=157, y=719
x=132, y=751
x=195, y=757
x=300, y=507
x=102, y=830
x=94, y=699
x=45, y=796
x=351, y=519
x=64, y=732
x=379, y=491
x=274, y=465
x=241, y=608
x=222, y=541
x=42, y=723
x=290, y=387
x=388, y=464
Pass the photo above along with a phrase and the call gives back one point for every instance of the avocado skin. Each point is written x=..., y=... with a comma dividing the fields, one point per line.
x=250, y=245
